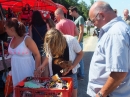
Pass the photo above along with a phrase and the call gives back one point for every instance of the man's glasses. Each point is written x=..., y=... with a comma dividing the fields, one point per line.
x=93, y=20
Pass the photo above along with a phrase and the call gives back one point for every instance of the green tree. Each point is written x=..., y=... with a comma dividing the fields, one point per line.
x=83, y=8
x=91, y=2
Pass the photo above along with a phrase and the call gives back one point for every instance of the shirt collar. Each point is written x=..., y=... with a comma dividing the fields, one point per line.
x=107, y=26
x=127, y=18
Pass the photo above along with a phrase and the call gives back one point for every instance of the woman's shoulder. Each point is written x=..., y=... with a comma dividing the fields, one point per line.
x=69, y=38
x=27, y=37
x=28, y=40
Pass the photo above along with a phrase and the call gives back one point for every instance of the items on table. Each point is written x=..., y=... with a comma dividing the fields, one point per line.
x=53, y=82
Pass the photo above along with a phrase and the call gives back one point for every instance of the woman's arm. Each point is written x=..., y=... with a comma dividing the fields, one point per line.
x=79, y=56
x=42, y=67
x=33, y=48
x=76, y=61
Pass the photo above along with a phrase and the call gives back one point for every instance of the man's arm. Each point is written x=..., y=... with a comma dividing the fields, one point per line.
x=112, y=83
x=81, y=29
x=76, y=31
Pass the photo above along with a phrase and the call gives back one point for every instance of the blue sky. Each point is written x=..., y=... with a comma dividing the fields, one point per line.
x=120, y=5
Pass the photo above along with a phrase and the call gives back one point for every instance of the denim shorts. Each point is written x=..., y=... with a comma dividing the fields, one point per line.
x=75, y=81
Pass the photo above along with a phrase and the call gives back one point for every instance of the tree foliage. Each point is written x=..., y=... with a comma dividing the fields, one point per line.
x=83, y=8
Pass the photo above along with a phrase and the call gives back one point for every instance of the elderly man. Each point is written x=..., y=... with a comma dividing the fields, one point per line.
x=109, y=74
x=126, y=16
x=66, y=26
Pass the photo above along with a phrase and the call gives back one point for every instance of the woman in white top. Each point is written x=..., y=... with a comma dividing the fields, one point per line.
x=21, y=48
x=62, y=46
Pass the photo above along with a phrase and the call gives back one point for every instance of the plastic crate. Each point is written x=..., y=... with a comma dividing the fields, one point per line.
x=43, y=92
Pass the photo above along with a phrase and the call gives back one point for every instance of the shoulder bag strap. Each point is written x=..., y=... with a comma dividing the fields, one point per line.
x=38, y=33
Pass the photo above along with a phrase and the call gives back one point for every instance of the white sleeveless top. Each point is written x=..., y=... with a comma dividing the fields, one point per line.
x=22, y=62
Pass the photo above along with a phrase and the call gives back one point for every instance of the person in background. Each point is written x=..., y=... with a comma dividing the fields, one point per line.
x=66, y=47
x=10, y=14
x=109, y=73
x=88, y=25
x=21, y=48
x=79, y=22
x=96, y=31
x=47, y=18
x=37, y=31
x=27, y=8
x=26, y=14
x=66, y=26
x=50, y=23
x=126, y=16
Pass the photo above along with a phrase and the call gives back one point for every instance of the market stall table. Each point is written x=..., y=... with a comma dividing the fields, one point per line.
x=7, y=61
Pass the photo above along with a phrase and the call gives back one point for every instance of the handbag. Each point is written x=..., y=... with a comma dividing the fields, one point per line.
x=6, y=71
x=8, y=85
x=7, y=76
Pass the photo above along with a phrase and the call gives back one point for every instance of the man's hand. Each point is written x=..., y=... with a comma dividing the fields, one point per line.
x=113, y=81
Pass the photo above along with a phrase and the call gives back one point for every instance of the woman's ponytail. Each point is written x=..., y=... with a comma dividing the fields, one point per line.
x=18, y=26
x=21, y=29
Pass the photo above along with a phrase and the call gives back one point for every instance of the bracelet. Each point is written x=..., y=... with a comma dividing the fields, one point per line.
x=100, y=94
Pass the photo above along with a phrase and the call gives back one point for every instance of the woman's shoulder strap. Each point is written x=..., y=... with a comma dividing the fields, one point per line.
x=25, y=37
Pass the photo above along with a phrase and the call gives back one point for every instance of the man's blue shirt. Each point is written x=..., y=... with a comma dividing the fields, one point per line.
x=112, y=54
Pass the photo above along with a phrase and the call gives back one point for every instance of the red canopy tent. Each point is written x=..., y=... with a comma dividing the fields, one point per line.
x=17, y=5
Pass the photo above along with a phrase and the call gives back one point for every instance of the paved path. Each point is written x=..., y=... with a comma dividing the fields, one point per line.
x=89, y=47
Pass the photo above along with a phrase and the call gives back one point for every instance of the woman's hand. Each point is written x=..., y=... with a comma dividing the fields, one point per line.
x=41, y=69
x=71, y=67
x=37, y=73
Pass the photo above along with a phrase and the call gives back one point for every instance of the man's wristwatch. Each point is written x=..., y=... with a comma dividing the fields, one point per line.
x=100, y=94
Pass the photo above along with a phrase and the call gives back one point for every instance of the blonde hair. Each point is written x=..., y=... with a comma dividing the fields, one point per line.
x=54, y=43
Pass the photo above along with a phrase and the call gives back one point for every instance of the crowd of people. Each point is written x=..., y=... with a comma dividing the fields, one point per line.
x=38, y=41
x=35, y=52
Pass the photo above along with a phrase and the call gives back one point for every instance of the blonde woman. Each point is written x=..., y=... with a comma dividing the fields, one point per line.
x=67, y=47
